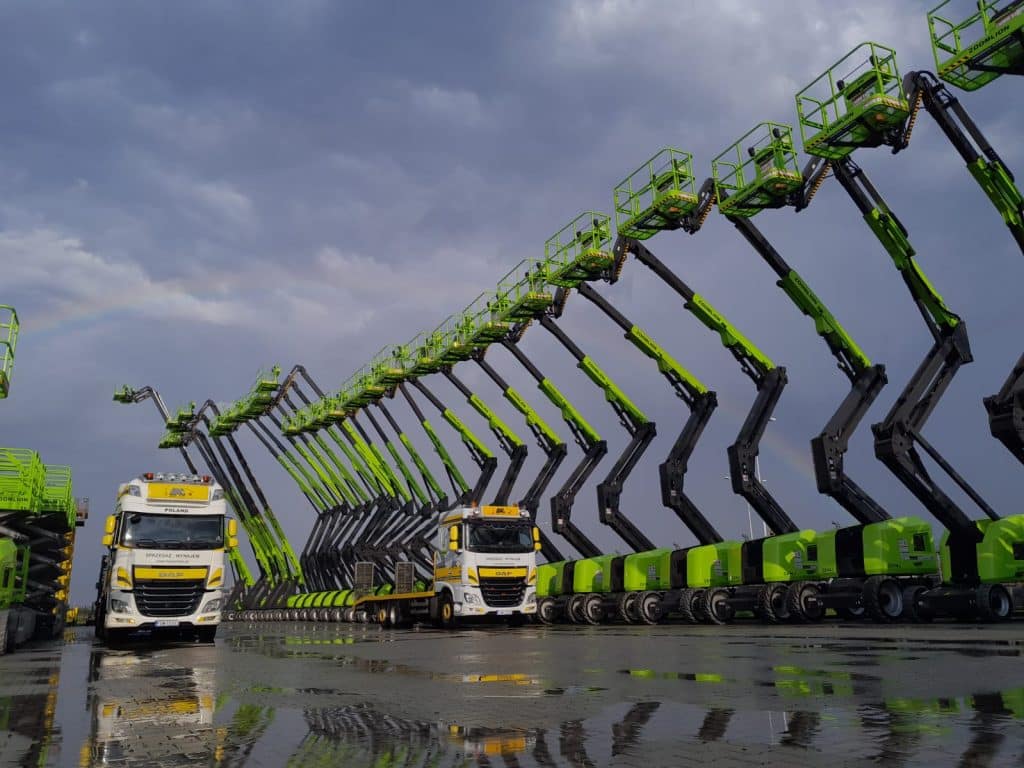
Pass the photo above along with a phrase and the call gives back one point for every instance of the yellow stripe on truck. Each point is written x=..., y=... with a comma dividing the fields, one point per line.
x=170, y=573
x=501, y=573
x=445, y=574
x=497, y=511
x=178, y=492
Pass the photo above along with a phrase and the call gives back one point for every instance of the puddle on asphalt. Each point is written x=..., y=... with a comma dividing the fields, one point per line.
x=213, y=705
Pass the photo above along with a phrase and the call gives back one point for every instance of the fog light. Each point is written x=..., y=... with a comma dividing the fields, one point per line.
x=212, y=605
x=119, y=606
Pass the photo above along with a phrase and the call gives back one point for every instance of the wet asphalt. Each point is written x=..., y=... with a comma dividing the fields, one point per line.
x=358, y=695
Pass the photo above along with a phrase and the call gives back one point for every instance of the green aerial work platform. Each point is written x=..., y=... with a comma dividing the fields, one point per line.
x=983, y=41
x=656, y=195
x=857, y=102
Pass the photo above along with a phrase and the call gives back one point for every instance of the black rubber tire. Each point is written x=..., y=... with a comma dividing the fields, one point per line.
x=649, y=607
x=883, y=599
x=349, y=614
x=994, y=601
x=803, y=600
x=206, y=634
x=547, y=610
x=714, y=606
x=593, y=609
x=771, y=604
x=687, y=605
x=574, y=609
x=623, y=607
x=446, y=611
x=336, y=615
x=395, y=614
x=698, y=606
x=912, y=609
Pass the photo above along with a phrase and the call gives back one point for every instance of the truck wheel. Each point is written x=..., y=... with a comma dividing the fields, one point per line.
x=349, y=614
x=913, y=609
x=547, y=611
x=382, y=615
x=574, y=609
x=649, y=605
x=446, y=611
x=593, y=609
x=803, y=600
x=394, y=614
x=771, y=603
x=336, y=615
x=625, y=607
x=714, y=604
x=851, y=611
x=994, y=602
x=883, y=599
x=687, y=605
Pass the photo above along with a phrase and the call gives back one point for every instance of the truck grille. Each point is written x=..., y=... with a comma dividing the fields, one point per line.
x=502, y=592
x=167, y=597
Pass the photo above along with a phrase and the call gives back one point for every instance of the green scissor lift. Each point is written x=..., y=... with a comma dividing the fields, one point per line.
x=978, y=557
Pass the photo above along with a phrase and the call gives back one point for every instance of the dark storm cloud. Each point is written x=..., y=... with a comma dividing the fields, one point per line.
x=193, y=192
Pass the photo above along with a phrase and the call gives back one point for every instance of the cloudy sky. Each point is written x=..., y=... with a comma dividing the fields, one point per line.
x=190, y=193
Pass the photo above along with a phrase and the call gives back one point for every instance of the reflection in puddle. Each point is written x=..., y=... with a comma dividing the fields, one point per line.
x=27, y=729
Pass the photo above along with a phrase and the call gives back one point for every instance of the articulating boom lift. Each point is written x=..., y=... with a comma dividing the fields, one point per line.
x=860, y=102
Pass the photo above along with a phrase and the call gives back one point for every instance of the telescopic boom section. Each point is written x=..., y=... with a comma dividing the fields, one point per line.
x=478, y=451
x=769, y=379
x=640, y=429
x=509, y=441
x=594, y=449
x=698, y=398
x=760, y=171
x=555, y=451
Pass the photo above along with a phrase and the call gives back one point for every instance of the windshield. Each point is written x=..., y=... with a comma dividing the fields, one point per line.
x=173, y=531
x=500, y=537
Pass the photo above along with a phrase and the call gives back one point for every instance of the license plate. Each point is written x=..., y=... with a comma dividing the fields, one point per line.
x=504, y=612
x=166, y=623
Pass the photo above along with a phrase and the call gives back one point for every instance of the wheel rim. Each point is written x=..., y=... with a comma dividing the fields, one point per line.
x=890, y=599
x=999, y=602
x=446, y=611
x=717, y=606
x=810, y=603
x=778, y=602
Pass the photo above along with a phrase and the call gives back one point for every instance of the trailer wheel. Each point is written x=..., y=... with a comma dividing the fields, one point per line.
x=649, y=605
x=574, y=609
x=593, y=609
x=688, y=605
x=803, y=600
x=913, y=608
x=394, y=614
x=336, y=615
x=883, y=599
x=852, y=611
x=446, y=611
x=625, y=607
x=382, y=615
x=547, y=611
x=771, y=603
x=994, y=602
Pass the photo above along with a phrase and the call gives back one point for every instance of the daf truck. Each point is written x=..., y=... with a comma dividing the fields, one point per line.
x=484, y=567
x=163, y=572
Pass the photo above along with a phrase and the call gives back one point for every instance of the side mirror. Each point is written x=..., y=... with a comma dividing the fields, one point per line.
x=232, y=527
x=232, y=542
x=108, y=539
x=110, y=524
x=536, y=539
x=453, y=538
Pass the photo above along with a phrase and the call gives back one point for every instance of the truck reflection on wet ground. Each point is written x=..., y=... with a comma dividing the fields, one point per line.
x=306, y=695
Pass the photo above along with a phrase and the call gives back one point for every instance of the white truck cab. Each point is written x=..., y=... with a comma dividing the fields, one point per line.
x=485, y=560
x=164, y=570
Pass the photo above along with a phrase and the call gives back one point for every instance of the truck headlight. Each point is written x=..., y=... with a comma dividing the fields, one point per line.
x=531, y=598
x=212, y=605
x=119, y=606
x=217, y=495
x=469, y=598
